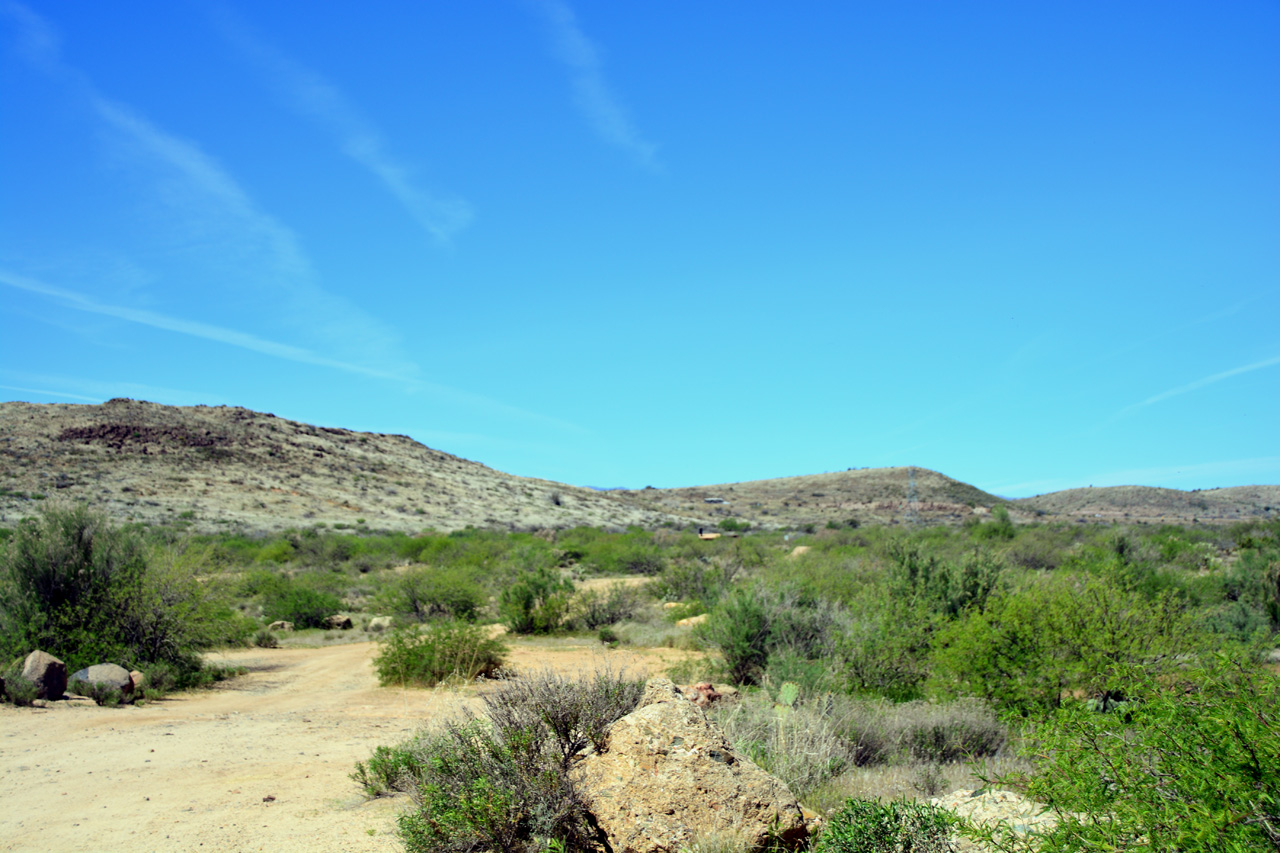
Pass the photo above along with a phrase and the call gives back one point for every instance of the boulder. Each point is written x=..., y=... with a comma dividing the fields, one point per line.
x=668, y=775
x=138, y=678
x=380, y=623
x=690, y=621
x=47, y=673
x=339, y=621
x=280, y=625
x=116, y=677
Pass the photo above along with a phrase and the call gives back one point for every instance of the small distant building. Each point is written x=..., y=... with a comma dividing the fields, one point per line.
x=713, y=500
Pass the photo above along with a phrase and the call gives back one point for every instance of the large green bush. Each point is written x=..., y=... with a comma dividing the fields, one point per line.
x=1028, y=649
x=88, y=592
x=1191, y=763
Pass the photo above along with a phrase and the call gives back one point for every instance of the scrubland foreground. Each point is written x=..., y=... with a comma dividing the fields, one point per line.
x=1122, y=675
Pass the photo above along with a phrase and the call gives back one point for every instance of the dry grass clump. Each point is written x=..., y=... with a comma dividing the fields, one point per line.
x=824, y=746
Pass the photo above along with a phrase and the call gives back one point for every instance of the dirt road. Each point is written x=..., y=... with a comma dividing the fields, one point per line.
x=261, y=763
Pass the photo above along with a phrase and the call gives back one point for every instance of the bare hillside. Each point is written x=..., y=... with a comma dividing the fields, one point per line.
x=868, y=495
x=224, y=467
x=1145, y=503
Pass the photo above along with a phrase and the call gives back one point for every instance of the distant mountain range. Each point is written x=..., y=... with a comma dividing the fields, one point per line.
x=219, y=468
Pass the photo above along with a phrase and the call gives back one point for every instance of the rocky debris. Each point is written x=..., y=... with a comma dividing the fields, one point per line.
x=701, y=694
x=668, y=775
x=380, y=623
x=339, y=622
x=1021, y=818
x=110, y=674
x=690, y=621
x=280, y=625
x=47, y=673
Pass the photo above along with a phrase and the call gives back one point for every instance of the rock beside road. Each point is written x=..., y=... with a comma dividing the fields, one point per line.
x=47, y=673
x=668, y=775
x=115, y=677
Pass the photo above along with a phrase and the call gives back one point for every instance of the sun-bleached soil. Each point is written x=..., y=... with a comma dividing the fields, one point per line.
x=260, y=763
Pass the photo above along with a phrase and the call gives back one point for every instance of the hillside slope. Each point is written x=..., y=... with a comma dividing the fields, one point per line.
x=222, y=467
x=226, y=467
x=868, y=495
x=1145, y=503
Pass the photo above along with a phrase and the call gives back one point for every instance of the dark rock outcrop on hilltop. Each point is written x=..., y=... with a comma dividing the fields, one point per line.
x=221, y=467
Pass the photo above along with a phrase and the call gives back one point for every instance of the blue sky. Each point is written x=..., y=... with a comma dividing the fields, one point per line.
x=1030, y=246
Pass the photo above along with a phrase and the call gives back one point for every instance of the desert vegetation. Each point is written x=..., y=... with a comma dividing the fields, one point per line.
x=1118, y=673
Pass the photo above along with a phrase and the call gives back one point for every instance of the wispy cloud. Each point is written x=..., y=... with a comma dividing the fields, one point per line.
x=98, y=391
x=591, y=91
x=45, y=392
x=224, y=245
x=309, y=93
x=192, y=328
x=210, y=189
x=1208, y=380
x=276, y=349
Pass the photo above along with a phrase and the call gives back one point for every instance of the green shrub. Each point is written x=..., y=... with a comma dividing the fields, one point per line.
x=18, y=690
x=501, y=783
x=303, y=606
x=76, y=586
x=440, y=651
x=537, y=603
x=266, y=639
x=480, y=789
x=102, y=694
x=1191, y=764
x=389, y=770
x=886, y=650
x=1028, y=649
x=563, y=714
x=901, y=826
x=592, y=609
x=431, y=593
x=739, y=628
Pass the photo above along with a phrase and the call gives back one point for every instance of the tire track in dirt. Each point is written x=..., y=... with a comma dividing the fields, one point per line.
x=194, y=772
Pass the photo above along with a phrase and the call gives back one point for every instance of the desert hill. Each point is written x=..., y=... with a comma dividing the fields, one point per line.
x=1145, y=503
x=868, y=495
x=221, y=468
x=226, y=467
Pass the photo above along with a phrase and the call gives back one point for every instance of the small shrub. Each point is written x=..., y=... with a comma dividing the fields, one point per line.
x=537, y=603
x=739, y=627
x=105, y=695
x=438, y=652
x=389, y=770
x=501, y=783
x=19, y=691
x=478, y=789
x=866, y=826
x=594, y=609
x=569, y=713
x=266, y=639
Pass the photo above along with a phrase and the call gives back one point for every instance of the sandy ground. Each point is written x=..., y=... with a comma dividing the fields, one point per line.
x=261, y=763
